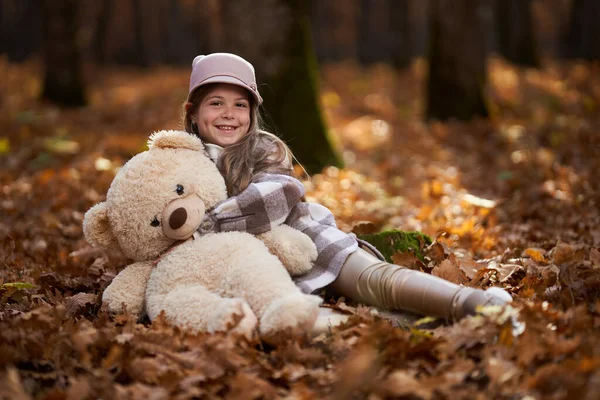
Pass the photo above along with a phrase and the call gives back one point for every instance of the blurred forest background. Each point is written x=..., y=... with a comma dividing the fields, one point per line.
x=287, y=39
x=474, y=121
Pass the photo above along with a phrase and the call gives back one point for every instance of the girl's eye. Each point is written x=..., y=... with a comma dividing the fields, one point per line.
x=179, y=190
x=243, y=105
x=155, y=222
x=215, y=103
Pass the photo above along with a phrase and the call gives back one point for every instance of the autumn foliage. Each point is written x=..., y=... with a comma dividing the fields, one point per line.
x=513, y=201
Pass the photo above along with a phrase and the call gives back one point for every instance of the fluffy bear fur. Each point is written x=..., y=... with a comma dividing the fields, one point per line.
x=213, y=283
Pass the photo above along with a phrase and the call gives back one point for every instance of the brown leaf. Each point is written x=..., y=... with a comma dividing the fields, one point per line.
x=11, y=386
x=436, y=252
x=364, y=227
x=563, y=253
x=249, y=386
x=595, y=257
x=78, y=389
x=139, y=391
x=75, y=304
x=449, y=271
x=406, y=259
x=403, y=383
x=355, y=371
x=500, y=370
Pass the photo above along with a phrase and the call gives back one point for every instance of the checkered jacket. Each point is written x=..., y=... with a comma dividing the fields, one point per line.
x=273, y=199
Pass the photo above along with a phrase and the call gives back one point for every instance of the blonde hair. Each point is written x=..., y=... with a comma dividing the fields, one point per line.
x=258, y=151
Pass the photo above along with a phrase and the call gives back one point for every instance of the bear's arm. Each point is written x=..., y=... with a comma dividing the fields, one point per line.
x=128, y=288
x=264, y=204
x=295, y=250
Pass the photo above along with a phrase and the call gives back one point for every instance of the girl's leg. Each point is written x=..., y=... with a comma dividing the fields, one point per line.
x=366, y=279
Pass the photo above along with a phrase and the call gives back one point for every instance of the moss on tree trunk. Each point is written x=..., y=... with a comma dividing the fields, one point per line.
x=293, y=103
x=394, y=241
x=457, y=65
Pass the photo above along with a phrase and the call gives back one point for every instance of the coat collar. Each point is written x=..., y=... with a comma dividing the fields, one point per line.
x=213, y=151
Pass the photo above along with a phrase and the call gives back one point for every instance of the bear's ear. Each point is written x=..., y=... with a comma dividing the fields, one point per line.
x=96, y=228
x=174, y=140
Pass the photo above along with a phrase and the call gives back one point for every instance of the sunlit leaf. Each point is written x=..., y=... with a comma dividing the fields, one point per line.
x=4, y=145
x=60, y=145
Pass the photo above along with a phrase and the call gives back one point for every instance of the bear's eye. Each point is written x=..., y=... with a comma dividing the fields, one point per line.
x=155, y=222
x=179, y=189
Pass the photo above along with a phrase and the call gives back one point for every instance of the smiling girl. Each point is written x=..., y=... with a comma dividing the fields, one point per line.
x=223, y=110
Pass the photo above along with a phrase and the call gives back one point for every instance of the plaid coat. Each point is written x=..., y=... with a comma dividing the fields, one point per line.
x=273, y=199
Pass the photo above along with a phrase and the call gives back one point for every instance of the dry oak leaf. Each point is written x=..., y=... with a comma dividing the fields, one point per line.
x=449, y=271
x=76, y=302
x=408, y=260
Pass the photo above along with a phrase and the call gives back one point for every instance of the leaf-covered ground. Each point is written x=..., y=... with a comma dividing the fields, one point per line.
x=512, y=202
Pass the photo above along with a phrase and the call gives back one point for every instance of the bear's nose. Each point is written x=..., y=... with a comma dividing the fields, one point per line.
x=178, y=218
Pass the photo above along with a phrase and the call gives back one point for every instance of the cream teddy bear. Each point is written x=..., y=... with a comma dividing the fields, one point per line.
x=209, y=283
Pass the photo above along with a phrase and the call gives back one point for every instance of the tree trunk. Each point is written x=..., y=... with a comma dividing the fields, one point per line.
x=583, y=36
x=457, y=61
x=101, y=34
x=294, y=103
x=141, y=58
x=63, y=80
x=373, y=31
x=18, y=37
x=334, y=28
x=514, y=27
x=400, y=46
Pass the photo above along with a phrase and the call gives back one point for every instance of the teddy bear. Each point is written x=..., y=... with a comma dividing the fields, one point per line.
x=204, y=283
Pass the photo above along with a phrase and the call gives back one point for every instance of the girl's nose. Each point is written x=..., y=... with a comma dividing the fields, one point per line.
x=228, y=112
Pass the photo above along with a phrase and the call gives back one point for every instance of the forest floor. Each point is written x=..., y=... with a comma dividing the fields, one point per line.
x=513, y=202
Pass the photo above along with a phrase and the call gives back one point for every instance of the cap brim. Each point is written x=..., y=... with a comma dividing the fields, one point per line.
x=231, y=80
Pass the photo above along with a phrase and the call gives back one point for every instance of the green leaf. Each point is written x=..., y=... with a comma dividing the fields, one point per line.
x=18, y=285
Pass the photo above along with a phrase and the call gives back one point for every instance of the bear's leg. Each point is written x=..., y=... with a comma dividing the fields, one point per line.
x=128, y=288
x=260, y=278
x=197, y=309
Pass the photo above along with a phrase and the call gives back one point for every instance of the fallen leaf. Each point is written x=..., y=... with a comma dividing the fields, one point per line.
x=449, y=271
x=595, y=257
x=76, y=303
x=537, y=254
x=403, y=383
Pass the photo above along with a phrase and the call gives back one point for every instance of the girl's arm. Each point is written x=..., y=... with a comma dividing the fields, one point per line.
x=264, y=204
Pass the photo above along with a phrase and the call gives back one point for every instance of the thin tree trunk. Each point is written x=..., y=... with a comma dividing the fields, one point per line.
x=400, y=46
x=104, y=16
x=141, y=58
x=63, y=80
x=457, y=61
x=514, y=27
x=293, y=103
x=583, y=36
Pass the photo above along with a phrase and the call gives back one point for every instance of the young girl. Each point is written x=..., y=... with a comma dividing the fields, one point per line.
x=223, y=110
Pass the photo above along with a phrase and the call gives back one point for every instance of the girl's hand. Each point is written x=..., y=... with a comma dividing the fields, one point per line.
x=208, y=224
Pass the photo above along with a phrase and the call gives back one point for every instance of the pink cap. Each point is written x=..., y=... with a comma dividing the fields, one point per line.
x=223, y=68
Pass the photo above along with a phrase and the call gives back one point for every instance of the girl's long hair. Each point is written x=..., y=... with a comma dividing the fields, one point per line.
x=258, y=151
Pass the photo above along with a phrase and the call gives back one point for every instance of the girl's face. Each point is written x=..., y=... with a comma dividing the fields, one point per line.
x=223, y=116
